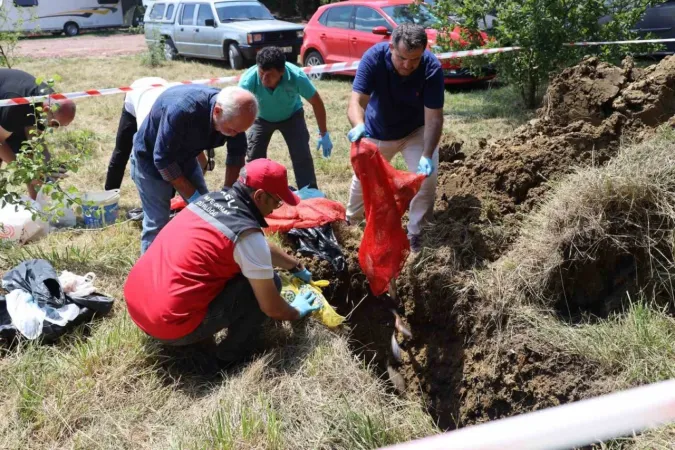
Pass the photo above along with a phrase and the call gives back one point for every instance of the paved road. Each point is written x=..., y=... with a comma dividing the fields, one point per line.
x=82, y=46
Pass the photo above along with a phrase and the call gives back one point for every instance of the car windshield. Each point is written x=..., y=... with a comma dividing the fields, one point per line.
x=235, y=11
x=419, y=15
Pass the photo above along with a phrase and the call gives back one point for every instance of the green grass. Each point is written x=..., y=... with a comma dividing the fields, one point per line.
x=639, y=344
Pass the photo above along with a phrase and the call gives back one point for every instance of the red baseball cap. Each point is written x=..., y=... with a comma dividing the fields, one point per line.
x=271, y=177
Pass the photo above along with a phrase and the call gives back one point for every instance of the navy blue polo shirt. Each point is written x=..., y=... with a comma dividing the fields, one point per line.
x=396, y=106
x=179, y=127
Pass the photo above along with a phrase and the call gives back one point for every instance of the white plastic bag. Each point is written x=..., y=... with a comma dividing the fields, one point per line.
x=26, y=315
x=77, y=286
x=17, y=224
x=61, y=316
x=29, y=318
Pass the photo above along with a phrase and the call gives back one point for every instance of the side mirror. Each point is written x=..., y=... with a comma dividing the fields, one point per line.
x=210, y=23
x=382, y=31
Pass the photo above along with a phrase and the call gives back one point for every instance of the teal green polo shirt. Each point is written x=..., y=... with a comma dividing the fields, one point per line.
x=275, y=105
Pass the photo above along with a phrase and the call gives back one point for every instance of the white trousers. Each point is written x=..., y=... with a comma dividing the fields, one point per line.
x=422, y=205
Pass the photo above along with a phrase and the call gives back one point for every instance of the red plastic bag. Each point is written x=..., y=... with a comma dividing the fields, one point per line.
x=178, y=203
x=387, y=193
x=310, y=213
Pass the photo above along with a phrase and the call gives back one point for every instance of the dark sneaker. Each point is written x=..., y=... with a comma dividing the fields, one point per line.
x=415, y=242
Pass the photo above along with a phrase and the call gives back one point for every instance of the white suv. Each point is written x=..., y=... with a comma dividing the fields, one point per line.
x=228, y=30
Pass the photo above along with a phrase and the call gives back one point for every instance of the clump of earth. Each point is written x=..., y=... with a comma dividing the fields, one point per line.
x=588, y=110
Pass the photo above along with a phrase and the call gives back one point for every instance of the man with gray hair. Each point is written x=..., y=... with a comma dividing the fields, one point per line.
x=397, y=103
x=184, y=121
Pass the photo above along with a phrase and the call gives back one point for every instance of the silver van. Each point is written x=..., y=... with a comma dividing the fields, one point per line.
x=230, y=30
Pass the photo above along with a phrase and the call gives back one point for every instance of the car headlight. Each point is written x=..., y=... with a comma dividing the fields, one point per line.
x=253, y=38
x=301, y=34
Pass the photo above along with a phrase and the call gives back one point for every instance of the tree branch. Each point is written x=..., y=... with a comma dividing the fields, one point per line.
x=4, y=56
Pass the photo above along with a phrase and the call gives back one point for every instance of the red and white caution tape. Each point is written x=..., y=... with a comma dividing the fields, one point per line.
x=476, y=52
x=568, y=426
x=108, y=91
x=637, y=41
x=324, y=68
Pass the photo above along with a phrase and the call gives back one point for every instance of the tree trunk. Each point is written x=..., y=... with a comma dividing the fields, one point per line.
x=531, y=88
x=3, y=55
x=532, y=93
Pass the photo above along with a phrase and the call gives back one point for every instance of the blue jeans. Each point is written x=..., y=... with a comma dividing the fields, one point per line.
x=156, y=194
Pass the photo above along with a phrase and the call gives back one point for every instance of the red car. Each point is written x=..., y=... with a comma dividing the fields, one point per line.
x=342, y=32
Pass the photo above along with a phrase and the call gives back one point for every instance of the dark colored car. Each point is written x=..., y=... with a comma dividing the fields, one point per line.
x=659, y=21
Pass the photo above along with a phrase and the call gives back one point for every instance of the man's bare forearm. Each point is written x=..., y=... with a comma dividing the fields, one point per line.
x=433, y=128
x=282, y=259
x=184, y=187
x=356, y=112
x=6, y=153
x=320, y=113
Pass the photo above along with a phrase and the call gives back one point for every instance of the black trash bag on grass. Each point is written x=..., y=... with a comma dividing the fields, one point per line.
x=38, y=278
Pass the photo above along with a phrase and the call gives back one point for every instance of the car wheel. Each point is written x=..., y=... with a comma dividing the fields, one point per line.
x=71, y=29
x=235, y=57
x=170, y=52
x=314, y=58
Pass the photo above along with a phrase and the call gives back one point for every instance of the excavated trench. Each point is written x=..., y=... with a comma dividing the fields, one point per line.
x=464, y=369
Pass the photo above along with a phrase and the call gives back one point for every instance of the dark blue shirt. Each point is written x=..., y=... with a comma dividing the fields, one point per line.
x=179, y=127
x=396, y=106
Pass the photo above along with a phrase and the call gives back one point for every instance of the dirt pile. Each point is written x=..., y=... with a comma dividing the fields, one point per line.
x=467, y=370
x=589, y=108
x=450, y=148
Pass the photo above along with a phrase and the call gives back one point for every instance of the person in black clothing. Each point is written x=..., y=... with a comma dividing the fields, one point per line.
x=16, y=122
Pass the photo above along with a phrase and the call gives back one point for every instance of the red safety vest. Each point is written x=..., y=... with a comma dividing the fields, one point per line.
x=169, y=289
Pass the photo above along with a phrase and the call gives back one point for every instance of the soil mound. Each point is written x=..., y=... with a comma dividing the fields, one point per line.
x=450, y=148
x=458, y=359
x=588, y=110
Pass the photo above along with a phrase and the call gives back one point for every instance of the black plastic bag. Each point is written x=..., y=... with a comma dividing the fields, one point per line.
x=321, y=242
x=39, y=278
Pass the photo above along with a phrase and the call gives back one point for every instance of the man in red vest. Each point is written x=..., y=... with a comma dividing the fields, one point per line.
x=211, y=268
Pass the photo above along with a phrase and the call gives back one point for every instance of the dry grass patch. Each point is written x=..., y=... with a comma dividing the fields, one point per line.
x=603, y=232
x=310, y=393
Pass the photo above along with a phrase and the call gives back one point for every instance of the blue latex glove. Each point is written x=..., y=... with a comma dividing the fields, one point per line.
x=306, y=302
x=356, y=133
x=304, y=274
x=325, y=142
x=426, y=166
x=194, y=197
